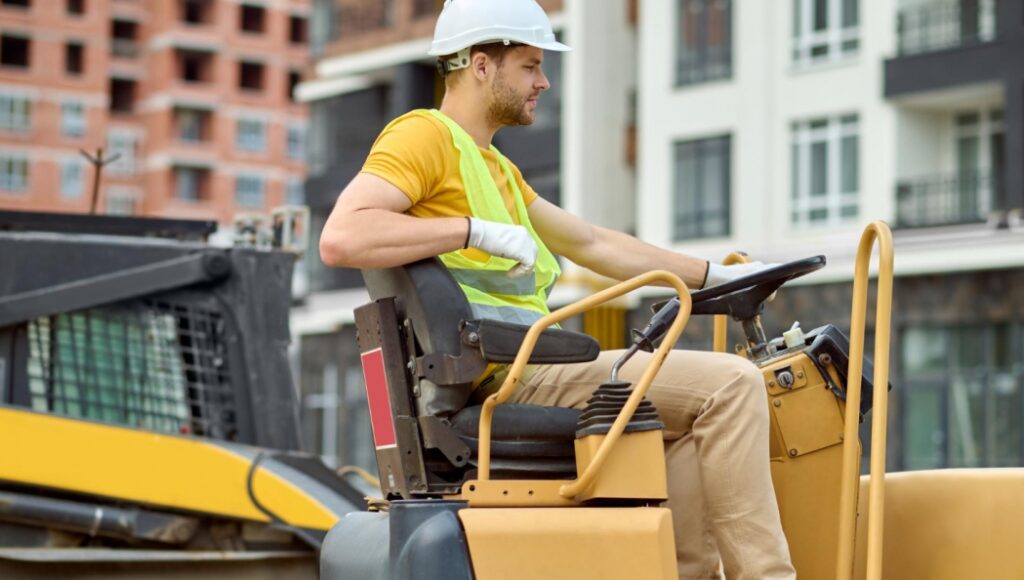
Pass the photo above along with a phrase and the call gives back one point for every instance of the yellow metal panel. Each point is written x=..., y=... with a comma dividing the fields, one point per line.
x=634, y=469
x=144, y=467
x=570, y=543
x=950, y=524
x=808, y=419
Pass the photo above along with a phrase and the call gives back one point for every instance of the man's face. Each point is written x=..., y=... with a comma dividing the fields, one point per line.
x=516, y=86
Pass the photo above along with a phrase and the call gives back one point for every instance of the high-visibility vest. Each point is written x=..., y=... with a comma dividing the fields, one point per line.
x=483, y=277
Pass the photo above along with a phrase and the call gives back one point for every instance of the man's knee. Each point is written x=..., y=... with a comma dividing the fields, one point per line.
x=749, y=385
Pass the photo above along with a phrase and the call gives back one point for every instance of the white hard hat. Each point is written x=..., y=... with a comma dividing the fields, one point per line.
x=466, y=23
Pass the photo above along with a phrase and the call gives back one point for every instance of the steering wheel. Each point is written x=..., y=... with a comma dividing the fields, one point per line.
x=741, y=298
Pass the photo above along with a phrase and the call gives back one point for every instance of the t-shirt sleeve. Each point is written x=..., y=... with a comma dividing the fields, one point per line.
x=528, y=193
x=411, y=156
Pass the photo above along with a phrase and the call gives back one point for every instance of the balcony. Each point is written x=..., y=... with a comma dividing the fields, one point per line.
x=944, y=24
x=944, y=200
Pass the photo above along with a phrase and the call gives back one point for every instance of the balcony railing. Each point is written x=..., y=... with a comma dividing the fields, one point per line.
x=945, y=200
x=942, y=24
x=124, y=48
x=355, y=18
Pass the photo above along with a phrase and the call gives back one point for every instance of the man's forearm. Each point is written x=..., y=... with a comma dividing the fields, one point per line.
x=622, y=256
x=376, y=238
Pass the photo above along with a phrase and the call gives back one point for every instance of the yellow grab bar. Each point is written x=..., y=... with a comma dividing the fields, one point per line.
x=879, y=231
x=516, y=371
x=720, y=319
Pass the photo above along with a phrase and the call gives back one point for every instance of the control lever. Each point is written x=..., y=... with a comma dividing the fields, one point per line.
x=645, y=339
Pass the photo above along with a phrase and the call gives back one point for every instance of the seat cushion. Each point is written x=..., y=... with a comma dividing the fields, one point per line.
x=521, y=430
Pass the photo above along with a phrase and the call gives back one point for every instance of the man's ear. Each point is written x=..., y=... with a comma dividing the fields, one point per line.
x=480, y=64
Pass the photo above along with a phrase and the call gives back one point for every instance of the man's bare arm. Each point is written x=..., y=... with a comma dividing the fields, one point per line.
x=367, y=228
x=608, y=252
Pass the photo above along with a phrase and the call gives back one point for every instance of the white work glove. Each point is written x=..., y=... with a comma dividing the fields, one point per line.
x=504, y=240
x=719, y=274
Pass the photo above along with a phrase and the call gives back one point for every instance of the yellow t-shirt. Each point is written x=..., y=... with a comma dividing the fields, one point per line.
x=417, y=156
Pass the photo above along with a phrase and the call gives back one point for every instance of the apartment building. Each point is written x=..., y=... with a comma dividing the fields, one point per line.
x=192, y=97
x=783, y=128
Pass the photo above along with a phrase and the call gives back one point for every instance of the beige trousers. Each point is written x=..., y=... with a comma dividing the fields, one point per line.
x=720, y=490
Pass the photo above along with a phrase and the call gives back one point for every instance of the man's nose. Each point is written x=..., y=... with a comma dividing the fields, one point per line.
x=543, y=83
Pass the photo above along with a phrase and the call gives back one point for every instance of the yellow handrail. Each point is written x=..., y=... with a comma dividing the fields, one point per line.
x=516, y=371
x=720, y=319
x=879, y=231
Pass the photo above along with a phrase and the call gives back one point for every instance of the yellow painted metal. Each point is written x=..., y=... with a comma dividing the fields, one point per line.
x=514, y=493
x=634, y=469
x=876, y=231
x=806, y=462
x=148, y=468
x=721, y=319
x=570, y=543
x=607, y=325
x=516, y=370
x=950, y=524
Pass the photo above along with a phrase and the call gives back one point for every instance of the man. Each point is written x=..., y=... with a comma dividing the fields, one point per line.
x=433, y=185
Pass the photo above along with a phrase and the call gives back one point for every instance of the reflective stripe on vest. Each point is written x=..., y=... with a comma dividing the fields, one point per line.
x=484, y=278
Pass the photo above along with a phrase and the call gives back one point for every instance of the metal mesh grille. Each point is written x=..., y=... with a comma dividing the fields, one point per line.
x=152, y=365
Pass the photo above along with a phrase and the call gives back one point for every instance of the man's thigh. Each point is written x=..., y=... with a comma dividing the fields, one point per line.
x=685, y=382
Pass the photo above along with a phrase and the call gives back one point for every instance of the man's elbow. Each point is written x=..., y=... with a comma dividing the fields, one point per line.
x=334, y=252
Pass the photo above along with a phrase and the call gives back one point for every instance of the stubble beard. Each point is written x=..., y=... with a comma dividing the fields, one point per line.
x=506, y=107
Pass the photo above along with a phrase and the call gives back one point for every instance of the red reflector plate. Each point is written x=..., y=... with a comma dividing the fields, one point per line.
x=377, y=396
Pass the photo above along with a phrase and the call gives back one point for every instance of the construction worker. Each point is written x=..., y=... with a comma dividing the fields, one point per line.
x=434, y=185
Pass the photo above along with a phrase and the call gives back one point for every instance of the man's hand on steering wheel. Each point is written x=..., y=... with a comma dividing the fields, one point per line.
x=719, y=274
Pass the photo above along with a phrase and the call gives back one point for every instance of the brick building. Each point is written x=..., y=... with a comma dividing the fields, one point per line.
x=195, y=96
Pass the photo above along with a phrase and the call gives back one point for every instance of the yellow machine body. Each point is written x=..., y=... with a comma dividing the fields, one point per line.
x=635, y=467
x=148, y=468
x=806, y=462
x=949, y=524
x=576, y=543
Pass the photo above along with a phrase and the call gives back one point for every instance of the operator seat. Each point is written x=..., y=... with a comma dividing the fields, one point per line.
x=448, y=348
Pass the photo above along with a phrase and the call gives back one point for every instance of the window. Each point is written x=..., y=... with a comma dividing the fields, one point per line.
x=192, y=125
x=825, y=30
x=13, y=172
x=250, y=135
x=121, y=200
x=295, y=194
x=194, y=66
x=124, y=143
x=71, y=178
x=76, y=7
x=14, y=51
x=251, y=18
x=73, y=58
x=702, y=189
x=293, y=81
x=15, y=113
x=963, y=403
x=249, y=191
x=122, y=96
x=250, y=76
x=296, y=141
x=298, y=30
x=705, y=41
x=825, y=171
x=190, y=183
x=194, y=11
x=123, y=34
x=72, y=119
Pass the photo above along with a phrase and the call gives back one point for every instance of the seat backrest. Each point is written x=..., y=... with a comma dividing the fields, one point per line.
x=426, y=294
x=428, y=297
